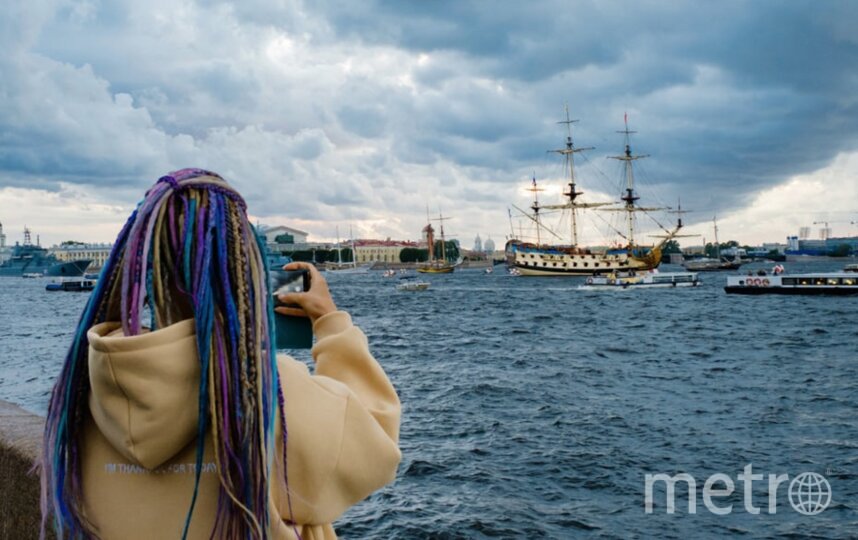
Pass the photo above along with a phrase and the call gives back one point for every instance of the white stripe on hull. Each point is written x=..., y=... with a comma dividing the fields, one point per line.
x=564, y=266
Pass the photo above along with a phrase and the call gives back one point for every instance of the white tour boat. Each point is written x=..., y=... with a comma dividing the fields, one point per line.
x=642, y=280
x=829, y=283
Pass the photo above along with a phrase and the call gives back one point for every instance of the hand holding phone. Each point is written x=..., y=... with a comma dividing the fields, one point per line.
x=291, y=331
x=315, y=302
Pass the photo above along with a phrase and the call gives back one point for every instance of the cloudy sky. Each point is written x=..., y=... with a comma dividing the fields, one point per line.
x=328, y=115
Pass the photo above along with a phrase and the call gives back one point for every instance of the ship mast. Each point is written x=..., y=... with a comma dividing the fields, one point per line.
x=354, y=256
x=573, y=193
x=535, y=207
x=441, y=219
x=717, y=245
x=569, y=153
x=629, y=197
x=339, y=249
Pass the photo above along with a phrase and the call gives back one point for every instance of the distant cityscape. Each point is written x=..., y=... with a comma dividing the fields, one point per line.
x=287, y=240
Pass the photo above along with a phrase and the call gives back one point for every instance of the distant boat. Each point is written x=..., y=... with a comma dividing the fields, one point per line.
x=643, y=280
x=412, y=285
x=542, y=259
x=709, y=264
x=33, y=259
x=831, y=283
x=76, y=285
x=436, y=265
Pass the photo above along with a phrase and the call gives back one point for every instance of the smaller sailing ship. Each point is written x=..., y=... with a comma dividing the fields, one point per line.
x=436, y=265
x=352, y=267
x=709, y=264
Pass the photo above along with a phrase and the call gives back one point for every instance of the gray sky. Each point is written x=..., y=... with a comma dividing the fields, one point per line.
x=362, y=114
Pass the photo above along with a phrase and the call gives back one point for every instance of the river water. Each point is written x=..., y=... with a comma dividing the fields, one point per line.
x=532, y=409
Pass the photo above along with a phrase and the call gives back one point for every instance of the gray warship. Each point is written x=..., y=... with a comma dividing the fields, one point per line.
x=30, y=259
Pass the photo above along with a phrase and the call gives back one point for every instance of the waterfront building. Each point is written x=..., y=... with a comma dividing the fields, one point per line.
x=281, y=234
x=386, y=251
x=694, y=250
x=97, y=253
x=832, y=246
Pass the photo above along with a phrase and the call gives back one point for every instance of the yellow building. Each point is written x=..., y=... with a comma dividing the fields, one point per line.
x=97, y=253
x=385, y=251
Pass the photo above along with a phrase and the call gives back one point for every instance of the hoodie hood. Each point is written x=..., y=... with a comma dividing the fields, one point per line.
x=145, y=389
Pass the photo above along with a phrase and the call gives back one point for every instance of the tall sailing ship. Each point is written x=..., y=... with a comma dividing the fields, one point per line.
x=542, y=259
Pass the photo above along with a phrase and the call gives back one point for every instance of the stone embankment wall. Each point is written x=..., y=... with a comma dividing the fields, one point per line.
x=20, y=444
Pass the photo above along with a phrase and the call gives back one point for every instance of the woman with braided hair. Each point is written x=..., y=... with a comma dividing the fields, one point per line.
x=172, y=416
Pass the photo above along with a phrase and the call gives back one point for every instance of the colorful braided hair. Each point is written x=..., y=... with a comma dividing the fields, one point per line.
x=187, y=250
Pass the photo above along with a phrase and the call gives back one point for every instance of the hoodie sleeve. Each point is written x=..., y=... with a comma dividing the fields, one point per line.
x=342, y=425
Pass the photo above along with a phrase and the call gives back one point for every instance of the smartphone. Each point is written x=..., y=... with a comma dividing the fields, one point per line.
x=290, y=332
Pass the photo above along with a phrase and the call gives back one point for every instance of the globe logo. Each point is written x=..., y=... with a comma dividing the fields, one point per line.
x=809, y=493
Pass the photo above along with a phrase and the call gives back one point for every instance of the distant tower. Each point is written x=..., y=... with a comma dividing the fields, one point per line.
x=429, y=239
x=478, y=244
x=489, y=245
x=804, y=233
x=2, y=237
x=428, y=234
x=825, y=233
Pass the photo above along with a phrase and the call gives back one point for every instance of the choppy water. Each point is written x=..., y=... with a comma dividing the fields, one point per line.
x=532, y=409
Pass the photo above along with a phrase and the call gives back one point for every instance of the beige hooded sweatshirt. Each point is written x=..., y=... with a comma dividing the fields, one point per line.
x=139, y=450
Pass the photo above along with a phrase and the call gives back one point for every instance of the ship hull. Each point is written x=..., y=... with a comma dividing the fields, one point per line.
x=436, y=270
x=364, y=269
x=569, y=262
x=711, y=266
x=69, y=269
x=560, y=271
x=648, y=280
x=834, y=284
x=810, y=291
